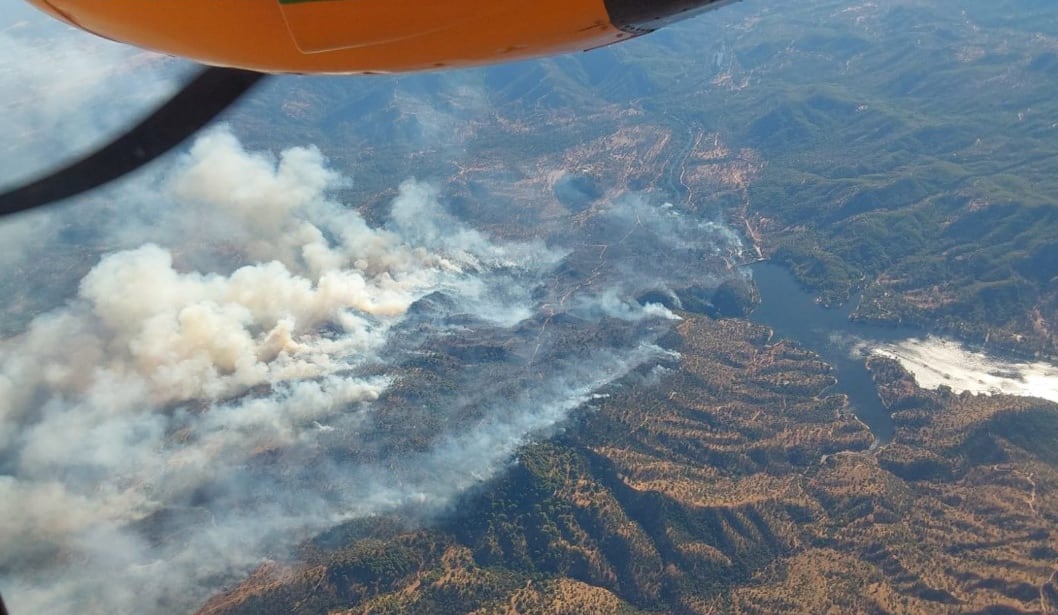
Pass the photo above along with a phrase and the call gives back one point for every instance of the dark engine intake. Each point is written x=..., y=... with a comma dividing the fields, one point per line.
x=645, y=16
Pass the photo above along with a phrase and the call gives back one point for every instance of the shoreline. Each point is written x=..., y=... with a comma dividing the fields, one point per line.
x=937, y=361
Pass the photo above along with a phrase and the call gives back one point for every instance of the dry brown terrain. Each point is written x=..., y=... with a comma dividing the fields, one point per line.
x=729, y=484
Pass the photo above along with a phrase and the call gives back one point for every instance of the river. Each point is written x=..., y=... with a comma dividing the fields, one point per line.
x=934, y=361
x=793, y=314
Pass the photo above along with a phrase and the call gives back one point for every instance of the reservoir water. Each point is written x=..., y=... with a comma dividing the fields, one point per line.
x=793, y=314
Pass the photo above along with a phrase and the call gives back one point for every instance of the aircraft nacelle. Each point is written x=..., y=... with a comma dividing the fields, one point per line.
x=367, y=36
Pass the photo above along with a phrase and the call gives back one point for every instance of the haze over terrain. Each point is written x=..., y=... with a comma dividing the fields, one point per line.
x=225, y=387
x=477, y=341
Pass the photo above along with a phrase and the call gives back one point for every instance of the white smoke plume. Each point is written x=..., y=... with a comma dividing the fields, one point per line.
x=227, y=360
x=156, y=389
x=154, y=382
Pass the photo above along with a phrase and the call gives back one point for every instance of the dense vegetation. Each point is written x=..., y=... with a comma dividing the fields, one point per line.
x=909, y=151
x=906, y=149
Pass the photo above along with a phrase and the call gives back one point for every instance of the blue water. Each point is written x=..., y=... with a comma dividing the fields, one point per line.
x=794, y=315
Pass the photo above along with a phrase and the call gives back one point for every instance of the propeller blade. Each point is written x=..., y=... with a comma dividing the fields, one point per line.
x=196, y=104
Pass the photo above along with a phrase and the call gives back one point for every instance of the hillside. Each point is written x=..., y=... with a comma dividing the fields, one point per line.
x=901, y=150
x=726, y=484
x=904, y=149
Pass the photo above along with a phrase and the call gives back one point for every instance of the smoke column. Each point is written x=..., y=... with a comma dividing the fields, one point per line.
x=214, y=360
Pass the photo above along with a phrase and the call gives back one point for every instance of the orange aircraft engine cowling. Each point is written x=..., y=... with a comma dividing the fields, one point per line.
x=367, y=36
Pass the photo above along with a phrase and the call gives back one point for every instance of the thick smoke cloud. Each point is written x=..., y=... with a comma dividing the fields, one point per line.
x=159, y=397
x=153, y=382
x=230, y=360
